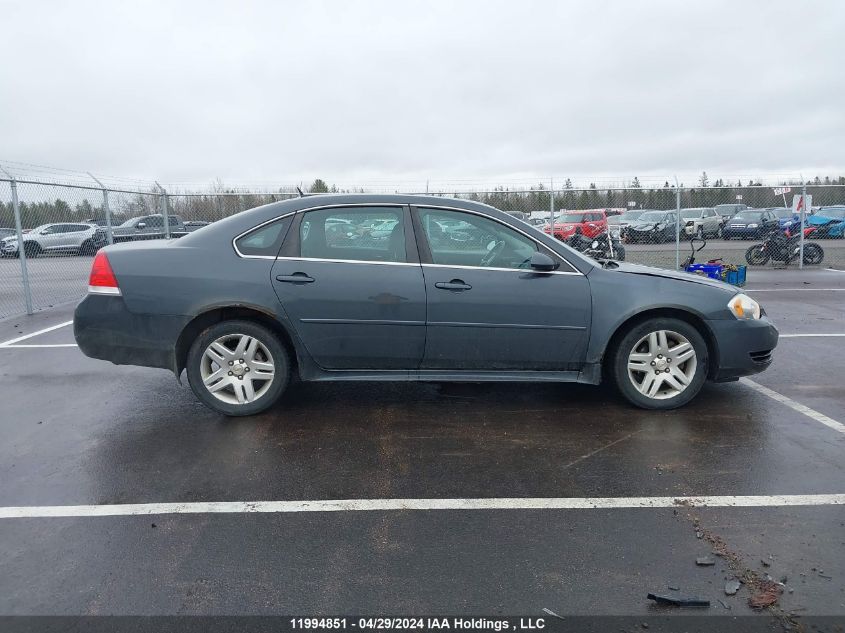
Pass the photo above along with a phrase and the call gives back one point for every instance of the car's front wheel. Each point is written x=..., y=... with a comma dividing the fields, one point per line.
x=660, y=363
x=238, y=368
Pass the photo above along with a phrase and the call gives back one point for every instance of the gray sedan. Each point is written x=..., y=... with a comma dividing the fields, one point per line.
x=254, y=299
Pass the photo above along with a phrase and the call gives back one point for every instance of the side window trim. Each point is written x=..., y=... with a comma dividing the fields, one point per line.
x=425, y=251
x=255, y=228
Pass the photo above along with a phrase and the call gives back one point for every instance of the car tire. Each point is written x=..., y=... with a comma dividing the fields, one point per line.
x=232, y=394
x=31, y=250
x=643, y=344
x=88, y=248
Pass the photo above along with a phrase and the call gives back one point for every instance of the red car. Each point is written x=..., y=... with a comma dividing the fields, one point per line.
x=590, y=223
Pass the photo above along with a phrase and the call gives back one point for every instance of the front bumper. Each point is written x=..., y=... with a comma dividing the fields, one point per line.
x=105, y=329
x=744, y=347
x=729, y=232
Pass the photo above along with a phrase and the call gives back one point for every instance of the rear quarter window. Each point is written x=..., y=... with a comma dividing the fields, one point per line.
x=264, y=241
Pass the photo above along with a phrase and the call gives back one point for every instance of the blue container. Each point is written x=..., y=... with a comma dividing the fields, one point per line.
x=714, y=271
x=736, y=277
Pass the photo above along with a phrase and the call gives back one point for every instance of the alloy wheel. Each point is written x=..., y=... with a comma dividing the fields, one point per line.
x=237, y=369
x=662, y=364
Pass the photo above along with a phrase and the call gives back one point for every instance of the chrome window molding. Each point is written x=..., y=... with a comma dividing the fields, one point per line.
x=344, y=261
x=507, y=270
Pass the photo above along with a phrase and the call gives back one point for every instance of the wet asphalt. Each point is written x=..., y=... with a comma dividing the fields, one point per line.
x=79, y=431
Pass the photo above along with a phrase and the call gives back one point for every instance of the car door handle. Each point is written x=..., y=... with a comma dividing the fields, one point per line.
x=455, y=284
x=296, y=278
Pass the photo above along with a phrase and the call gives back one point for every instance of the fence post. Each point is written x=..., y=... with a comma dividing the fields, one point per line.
x=165, y=212
x=27, y=291
x=106, y=208
x=552, y=207
x=803, y=217
x=677, y=224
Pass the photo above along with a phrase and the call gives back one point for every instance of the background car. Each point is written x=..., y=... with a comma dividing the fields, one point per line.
x=149, y=227
x=652, y=227
x=750, y=224
x=829, y=221
x=727, y=211
x=620, y=221
x=587, y=223
x=65, y=237
x=701, y=222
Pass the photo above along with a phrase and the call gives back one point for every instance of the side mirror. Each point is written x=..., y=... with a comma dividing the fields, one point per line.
x=142, y=225
x=542, y=262
x=44, y=232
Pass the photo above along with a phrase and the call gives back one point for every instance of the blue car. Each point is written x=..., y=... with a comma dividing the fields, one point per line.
x=829, y=221
x=787, y=219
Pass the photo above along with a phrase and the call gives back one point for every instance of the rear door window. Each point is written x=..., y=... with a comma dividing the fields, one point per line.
x=366, y=234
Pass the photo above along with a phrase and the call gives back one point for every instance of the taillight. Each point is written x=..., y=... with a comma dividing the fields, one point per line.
x=102, y=280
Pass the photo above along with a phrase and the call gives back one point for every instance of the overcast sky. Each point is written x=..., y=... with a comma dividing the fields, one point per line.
x=282, y=92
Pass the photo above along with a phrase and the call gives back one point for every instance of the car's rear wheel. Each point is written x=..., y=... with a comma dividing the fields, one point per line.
x=88, y=248
x=660, y=363
x=31, y=250
x=238, y=368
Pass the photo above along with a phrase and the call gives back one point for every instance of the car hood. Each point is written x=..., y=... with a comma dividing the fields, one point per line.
x=818, y=220
x=639, y=269
x=641, y=226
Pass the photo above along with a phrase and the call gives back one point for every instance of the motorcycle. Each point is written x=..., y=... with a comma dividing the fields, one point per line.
x=783, y=248
x=604, y=246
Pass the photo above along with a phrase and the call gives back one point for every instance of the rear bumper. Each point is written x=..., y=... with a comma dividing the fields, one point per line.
x=745, y=347
x=106, y=330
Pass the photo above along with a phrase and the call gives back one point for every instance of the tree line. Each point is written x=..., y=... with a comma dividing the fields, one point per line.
x=224, y=202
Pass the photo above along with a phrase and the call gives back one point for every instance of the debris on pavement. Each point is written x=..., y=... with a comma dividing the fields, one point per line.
x=674, y=588
x=678, y=601
x=767, y=594
x=725, y=604
x=731, y=587
x=705, y=561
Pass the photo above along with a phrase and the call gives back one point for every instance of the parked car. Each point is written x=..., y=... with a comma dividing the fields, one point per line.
x=65, y=237
x=653, y=227
x=587, y=223
x=252, y=300
x=6, y=232
x=750, y=224
x=619, y=222
x=727, y=211
x=193, y=225
x=830, y=221
x=148, y=227
x=786, y=218
x=701, y=222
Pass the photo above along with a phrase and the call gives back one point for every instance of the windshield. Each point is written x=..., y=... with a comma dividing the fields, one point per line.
x=691, y=213
x=630, y=216
x=782, y=213
x=831, y=212
x=653, y=216
x=747, y=216
x=572, y=217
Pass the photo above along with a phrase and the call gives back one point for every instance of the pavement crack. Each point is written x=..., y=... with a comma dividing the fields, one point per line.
x=600, y=449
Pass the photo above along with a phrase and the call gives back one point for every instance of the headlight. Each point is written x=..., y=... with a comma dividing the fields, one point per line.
x=752, y=226
x=615, y=234
x=744, y=307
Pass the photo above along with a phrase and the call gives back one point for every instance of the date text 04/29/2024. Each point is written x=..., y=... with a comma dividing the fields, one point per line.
x=418, y=624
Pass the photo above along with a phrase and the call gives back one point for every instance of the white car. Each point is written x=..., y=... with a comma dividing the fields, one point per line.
x=701, y=222
x=83, y=239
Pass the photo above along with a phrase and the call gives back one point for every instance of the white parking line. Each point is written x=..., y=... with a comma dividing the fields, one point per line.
x=364, y=505
x=793, y=289
x=26, y=336
x=796, y=406
x=34, y=346
x=809, y=335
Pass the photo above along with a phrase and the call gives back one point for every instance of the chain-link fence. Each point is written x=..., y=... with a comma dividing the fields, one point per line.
x=61, y=226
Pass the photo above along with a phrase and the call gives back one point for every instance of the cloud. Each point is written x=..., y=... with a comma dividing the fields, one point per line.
x=356, y=91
